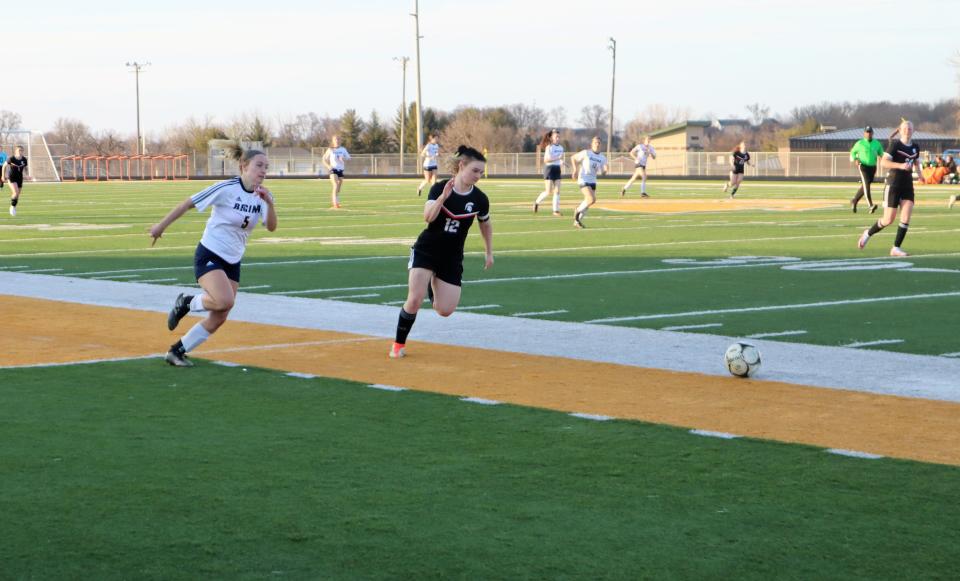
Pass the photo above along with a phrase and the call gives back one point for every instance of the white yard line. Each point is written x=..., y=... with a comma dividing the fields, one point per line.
x=776, y=334
x=477, y=307
x=857, y=344
x=258, y=286
x=538, y=313
x=594, y=417
x=363, y=296
x=205, y=352
x=775, y=307
x=480, y=400
x=954, y=354
x=853, y=454
x=115, y=277
x=686, y=327
x=42, y=270
x=383, y=387
x=158, y=280
x=712, y=434
x=891, y=373
x=84, y=362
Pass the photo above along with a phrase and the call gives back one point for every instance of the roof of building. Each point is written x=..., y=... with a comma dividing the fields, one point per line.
x=880, y=133
x=679, y=126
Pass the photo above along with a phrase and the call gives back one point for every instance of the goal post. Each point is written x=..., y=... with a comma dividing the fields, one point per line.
x=42, y=167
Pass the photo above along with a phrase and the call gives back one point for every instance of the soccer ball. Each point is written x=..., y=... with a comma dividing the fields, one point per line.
x=742, y=359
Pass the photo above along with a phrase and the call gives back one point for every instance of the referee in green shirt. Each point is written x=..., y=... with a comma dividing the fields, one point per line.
x=865, y=154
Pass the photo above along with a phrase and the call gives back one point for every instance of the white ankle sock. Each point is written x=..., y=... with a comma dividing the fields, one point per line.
x=196, y=303
x=194, y=337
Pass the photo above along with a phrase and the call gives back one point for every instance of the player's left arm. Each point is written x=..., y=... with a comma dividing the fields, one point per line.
x=486, y=231
x=653, y=152
x=270, y=223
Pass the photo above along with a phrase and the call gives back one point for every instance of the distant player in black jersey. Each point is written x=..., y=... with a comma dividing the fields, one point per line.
x=14, y=172
x=436, y=261
x=739, y=158
x=901, y=158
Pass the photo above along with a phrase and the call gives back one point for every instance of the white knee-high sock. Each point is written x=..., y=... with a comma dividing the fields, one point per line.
x=643, y=185
x=196, y=303
x=582, y=208
x=556, y=202
x=194, y=337
x=543, y=196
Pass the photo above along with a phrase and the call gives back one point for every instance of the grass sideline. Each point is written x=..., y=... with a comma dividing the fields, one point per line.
x=130, y=469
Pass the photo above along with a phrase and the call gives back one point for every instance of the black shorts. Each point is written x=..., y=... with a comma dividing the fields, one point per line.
x=430, y=168
x=205, y=260
x=447, y=269
x=16, y=180
x=336, y=172
x=551, y=172
x=893, y=195
x=737, y=170
x=591, y=186
x=639, y=166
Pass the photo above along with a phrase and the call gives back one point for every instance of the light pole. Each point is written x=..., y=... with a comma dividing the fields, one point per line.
x=613, y=86
x=403, y=109
x=137, y=67
x=416, y=25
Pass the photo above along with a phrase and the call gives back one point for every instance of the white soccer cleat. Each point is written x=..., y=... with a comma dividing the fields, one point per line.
x=953, y=200
x=13, y=211
x=895, y=251
x=398, y=351
x=864, y=238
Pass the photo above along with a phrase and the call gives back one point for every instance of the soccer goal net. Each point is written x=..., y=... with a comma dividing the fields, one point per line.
x=41, y=166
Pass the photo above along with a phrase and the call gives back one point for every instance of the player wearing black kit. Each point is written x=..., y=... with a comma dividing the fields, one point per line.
x=14, y=171
x=739, y=158
x=436, y=261
x=901, y=157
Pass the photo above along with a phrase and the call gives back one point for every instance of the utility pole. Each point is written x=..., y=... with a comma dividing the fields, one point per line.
x=416, y=25
x=613, y=87
x=403, y=109
x=137, y=67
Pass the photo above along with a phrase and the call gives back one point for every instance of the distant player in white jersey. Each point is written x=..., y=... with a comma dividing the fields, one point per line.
x=334, y=158
x=640, y=154
x=431, y=158
x=587, y=165
x=237, y=205
x=552, y=169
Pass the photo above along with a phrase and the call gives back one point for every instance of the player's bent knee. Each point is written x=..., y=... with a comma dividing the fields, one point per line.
x=444, y=311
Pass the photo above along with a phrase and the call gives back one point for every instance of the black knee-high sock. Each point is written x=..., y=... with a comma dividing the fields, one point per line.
x=733, y=192
x=404, y=324
x=901, y=234
x=13, y=201
x=877, y=226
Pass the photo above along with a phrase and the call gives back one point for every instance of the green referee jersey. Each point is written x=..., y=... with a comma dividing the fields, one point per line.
x=866, y=151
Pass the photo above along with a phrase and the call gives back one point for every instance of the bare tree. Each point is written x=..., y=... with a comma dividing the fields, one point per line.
x=469, y=126
x=758, y=113
x=593, y=117
x=557, y=117
x=9, y=121
x=109, y=142
x=75, y=134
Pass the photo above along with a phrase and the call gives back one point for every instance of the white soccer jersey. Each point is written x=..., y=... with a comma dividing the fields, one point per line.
x=590, y=166
x=432, y=154
x=553, y=155
x=641, y=152
x=234, y=215
x=338, y=156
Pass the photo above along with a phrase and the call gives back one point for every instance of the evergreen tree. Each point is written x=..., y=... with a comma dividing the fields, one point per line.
x=351, y=131
x=375, y=136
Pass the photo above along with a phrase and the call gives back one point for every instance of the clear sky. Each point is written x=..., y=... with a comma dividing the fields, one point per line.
x=284, y=57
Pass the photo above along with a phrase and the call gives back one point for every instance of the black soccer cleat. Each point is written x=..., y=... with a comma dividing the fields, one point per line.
x=873, y=208
x=177, y=356
x=181, y=307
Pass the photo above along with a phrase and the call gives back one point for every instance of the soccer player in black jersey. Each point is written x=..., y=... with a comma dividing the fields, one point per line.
x=14, y=171
x=901, y=158
x=739, y=158
x=436, y=260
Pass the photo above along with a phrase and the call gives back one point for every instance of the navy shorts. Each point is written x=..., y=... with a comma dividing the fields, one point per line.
x=551, y=172
x=430, y=168
x=447, y=269
x=336, y=172
x=591, y=186
x=205, y=260
x=640, y=166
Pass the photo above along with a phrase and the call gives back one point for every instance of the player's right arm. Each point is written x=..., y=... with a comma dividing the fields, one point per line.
x=435, y=202
x=575, y=162
x=326, y=159
x=156, y=231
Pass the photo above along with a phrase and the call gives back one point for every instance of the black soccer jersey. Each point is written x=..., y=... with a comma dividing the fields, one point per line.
x=901, y=153
x=447, y=234
x=15, y=168
x=739, y=159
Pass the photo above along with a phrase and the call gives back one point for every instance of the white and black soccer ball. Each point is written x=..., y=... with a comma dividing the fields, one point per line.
x=742, y=359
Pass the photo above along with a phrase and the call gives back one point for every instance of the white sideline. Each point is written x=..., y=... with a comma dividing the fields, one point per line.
x=871, y=371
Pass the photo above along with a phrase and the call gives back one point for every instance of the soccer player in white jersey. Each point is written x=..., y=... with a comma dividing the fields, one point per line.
x=431, y=155
x=640, y=154
x=334, y=158
x=552, y=169
x=237, y=205
x=587, y=165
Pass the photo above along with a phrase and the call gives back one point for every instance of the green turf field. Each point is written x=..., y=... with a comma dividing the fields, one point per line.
x=130, y=470
x=135, y=470
x=628, y=268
